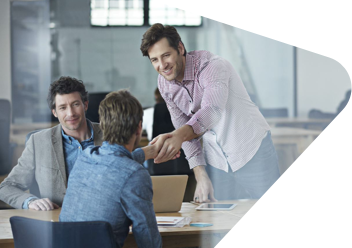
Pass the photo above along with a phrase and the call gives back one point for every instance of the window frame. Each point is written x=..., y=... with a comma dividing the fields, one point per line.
x=145, y=20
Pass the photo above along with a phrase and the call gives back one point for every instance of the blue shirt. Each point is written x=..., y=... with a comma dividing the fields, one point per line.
x=109, y=183
x=72, y=148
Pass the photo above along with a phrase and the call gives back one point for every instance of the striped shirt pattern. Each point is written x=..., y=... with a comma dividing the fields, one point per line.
x=213, y=100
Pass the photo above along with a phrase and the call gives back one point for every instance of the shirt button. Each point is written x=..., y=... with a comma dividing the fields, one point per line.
x=190, y=100
x=79, y=147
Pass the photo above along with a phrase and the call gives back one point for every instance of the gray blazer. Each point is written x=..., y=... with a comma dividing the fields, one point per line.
x=41, y=168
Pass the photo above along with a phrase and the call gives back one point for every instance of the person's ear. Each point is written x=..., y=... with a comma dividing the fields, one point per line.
x=139, y=128
x=181, y=48
x=54, y=112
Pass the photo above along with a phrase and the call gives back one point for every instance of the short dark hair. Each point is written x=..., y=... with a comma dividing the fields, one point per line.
x=120, y=114
x=156, y=33
x=66, y=85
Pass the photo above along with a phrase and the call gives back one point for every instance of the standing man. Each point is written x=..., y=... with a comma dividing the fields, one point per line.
x=50, y=154
x=208, y=103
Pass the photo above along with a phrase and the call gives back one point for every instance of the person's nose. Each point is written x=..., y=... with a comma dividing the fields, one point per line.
x=70, y=111
x=163, y=65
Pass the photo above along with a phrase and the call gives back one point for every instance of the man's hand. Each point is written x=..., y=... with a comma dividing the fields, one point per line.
x=155, y=146
x=204, y=189
x=160, y=142
x=170, y=147
x=42, y=204
x=173, y=144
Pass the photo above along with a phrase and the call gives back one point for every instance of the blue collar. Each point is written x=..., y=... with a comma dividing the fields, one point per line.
x=69, y=139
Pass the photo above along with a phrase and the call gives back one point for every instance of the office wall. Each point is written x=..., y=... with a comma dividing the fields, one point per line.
x=5, y=50
x=322, y=83
x=109, y=58
x=271, y=65
x=30, y=53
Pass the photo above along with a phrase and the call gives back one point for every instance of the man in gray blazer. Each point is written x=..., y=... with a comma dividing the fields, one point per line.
x=50, y=154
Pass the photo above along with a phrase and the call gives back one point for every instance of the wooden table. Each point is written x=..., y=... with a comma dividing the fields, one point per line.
x=186, y=236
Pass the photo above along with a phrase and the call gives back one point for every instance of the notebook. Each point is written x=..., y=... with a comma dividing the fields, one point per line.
x=168, y=192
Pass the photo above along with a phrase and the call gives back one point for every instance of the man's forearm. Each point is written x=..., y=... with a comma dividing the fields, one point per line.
x=185, y=133
x=149, y=152
x=199, y=171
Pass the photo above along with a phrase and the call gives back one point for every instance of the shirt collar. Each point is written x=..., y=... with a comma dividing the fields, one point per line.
x=116, y=148
x=189, y=69
x=188, y=73
x=70, y=139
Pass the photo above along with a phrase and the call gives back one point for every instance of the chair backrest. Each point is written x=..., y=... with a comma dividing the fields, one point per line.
x=31, y=233
x=318, y=114
x=5, y=159
x=30, y=134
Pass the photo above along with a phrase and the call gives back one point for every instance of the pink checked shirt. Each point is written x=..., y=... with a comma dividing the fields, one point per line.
x=213, y=100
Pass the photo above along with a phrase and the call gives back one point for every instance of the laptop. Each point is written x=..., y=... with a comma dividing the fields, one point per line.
x=168, y=192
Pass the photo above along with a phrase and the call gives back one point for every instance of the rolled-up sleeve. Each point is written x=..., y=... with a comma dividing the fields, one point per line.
x=214, y=80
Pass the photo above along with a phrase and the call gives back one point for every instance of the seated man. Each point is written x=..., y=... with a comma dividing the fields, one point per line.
x=108, y=182
x=50, y=154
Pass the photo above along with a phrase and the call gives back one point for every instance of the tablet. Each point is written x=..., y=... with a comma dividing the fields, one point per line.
x=216, y=206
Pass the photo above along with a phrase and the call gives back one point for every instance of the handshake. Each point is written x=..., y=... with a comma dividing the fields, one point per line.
x=165, y=147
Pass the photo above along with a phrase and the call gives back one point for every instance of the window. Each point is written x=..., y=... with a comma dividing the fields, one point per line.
x=133, y=13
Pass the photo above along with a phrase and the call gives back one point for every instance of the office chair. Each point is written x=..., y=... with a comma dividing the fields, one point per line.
x=30, y=134
x=31, y=233
x=318, y=114
x=6, y=148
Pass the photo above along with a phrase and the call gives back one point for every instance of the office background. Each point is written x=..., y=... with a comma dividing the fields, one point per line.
x=43, y=40
x=54, y=38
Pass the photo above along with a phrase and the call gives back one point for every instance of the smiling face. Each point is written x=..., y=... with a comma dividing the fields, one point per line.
x=70, y=110
x=168, y=62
